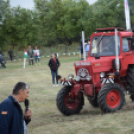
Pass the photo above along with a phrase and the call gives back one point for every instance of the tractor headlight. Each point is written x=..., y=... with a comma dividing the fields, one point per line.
x=89, y=78
x=102, y=74
x=77, y=78
x=70, y=76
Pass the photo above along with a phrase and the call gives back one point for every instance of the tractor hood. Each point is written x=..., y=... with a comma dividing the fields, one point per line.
x=91, y=66
x=102, y=65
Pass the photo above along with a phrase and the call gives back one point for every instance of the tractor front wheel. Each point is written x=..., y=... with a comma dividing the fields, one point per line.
x=94, y=102
x=67, y=104
x=111, y=98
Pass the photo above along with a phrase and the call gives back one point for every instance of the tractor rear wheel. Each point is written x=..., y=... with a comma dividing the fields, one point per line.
x=111, y=98
x=94, y=102
x=130, y=81
x=68, y=105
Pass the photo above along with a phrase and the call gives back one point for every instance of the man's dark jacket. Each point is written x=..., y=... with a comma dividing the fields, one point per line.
x=11, y=117
x=51, y=64
x=30, y=53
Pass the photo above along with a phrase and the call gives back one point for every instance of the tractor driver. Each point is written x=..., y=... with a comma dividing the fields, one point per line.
x=109, y=45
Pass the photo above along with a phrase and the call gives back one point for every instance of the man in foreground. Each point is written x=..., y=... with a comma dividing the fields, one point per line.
x=12, y=120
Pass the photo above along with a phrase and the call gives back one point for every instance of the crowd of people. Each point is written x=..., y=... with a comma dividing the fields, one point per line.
x=33, y=56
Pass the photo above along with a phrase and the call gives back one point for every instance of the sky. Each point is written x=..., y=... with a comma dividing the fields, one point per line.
x=30, y=3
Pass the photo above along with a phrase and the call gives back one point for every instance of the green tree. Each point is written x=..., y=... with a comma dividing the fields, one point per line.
x=63, y=19
x=131, y=4
x=4, y=7
x=49, y=14
x=20, y=26
x=109, y=13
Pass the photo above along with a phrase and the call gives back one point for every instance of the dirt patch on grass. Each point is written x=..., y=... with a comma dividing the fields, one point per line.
x=128, y=106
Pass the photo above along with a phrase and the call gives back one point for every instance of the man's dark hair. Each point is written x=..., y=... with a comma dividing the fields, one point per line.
x=86, y=40
x=19, y=86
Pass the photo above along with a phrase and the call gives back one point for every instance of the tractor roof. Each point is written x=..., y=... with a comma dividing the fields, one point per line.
x=109, y=29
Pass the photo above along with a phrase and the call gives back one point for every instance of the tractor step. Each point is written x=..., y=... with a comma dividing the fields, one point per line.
x=123, y=79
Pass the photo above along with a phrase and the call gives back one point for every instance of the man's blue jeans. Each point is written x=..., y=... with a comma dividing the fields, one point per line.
x=54, y=75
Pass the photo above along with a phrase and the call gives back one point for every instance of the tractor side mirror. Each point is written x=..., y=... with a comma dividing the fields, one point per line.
x=97, y=56
x=132, y=44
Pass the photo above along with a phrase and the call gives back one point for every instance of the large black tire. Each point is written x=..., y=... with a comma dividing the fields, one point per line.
x=111, y=98
x=63, y=104
x=94, y=102
x=130, y=81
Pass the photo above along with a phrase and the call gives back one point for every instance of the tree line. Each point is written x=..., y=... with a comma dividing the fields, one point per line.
x=52, y=22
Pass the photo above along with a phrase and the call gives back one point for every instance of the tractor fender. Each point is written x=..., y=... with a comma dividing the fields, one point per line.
x=88, y=89
x=75, y=89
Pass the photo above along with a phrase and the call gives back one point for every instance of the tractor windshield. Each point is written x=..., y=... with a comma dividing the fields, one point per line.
x=106, y=47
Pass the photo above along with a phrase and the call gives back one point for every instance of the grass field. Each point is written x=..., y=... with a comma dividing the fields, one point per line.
x=46, y=118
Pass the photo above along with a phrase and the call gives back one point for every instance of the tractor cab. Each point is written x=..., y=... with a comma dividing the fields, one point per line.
x=103, y=42
x=104, y=46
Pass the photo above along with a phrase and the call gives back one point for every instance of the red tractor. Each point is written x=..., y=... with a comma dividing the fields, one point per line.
x=104, y=77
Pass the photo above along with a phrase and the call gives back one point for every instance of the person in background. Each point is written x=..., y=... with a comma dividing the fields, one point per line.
x=37, y=55
x=81, y=50
x=12, y=120
x=87, y=47
x=30, y=54
x=10, y=53
x=54, y=65
x=2, y=61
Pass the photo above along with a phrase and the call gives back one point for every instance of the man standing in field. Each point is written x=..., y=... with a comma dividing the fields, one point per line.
x=30, y=55
x=87, y=47
x=10, y=53
x=12, y=120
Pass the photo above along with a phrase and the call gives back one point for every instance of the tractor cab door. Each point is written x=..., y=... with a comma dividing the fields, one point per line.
x=128, y=54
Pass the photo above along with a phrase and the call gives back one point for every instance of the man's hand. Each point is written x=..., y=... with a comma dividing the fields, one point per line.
x=27, y=114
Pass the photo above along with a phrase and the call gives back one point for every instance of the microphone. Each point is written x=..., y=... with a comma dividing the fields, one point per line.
x=26, y=104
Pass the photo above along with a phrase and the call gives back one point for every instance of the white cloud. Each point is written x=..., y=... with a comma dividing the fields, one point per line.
x=30, y=3
x=91, y=1
x=23, y=3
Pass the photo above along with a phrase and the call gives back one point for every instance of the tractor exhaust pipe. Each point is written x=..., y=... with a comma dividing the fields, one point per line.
x=117, y=63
